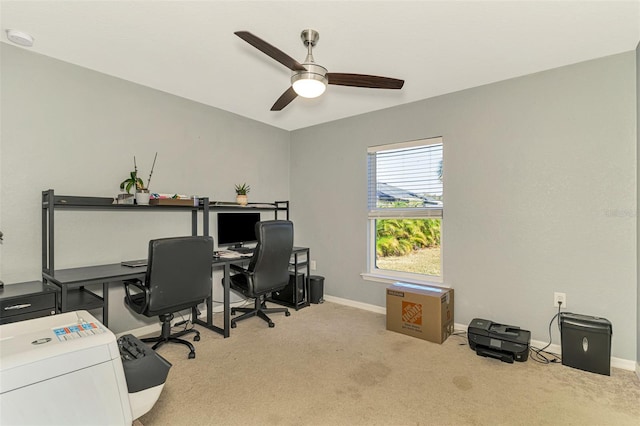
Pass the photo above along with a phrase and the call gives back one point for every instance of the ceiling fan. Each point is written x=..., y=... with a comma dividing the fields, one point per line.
x=309, y=79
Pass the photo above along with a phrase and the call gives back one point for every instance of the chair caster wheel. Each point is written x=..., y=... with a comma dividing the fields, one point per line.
x=287, y=314
x=271, y=325
x=233, y=325
x=192, y=355
x=196, y=338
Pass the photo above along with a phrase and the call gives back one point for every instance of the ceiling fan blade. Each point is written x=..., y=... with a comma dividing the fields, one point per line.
x=271, y=51
x=284, y=100
x=363, y=80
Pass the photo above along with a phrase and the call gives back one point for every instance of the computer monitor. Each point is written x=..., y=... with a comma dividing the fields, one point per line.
x=237, y=229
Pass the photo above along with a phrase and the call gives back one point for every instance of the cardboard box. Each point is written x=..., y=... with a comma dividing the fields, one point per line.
x=172, y=202
x=420, y=311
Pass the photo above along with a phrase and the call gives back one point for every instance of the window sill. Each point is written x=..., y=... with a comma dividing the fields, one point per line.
x=390, y=279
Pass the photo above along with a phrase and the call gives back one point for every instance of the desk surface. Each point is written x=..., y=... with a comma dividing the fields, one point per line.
x=70, y=278
x=24, y=288
x=94, y=274
x=116, y=272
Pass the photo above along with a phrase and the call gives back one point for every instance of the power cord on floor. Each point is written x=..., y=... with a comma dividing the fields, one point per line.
x=546, y=357
x=186, y=322
x=463, y=335
x=243, y=301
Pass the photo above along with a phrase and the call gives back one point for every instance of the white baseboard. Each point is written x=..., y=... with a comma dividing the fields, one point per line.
x=353, y=304
x=624, y=364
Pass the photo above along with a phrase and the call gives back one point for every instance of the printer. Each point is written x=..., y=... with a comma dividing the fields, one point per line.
x=507, y=343
x=70, y=369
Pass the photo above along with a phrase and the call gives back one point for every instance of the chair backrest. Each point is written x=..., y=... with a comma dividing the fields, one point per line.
x=178, y=273
x=270, y=262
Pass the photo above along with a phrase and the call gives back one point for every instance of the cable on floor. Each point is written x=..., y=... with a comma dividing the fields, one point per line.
x=546, y=357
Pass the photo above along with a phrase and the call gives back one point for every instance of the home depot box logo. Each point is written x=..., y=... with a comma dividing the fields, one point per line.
x=425, y=312
x=412, y=312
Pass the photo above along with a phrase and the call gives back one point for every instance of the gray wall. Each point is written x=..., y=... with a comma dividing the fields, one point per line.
x=76, y=131
x=540, y=196
x=637, y=215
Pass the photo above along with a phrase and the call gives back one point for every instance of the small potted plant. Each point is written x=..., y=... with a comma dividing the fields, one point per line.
x=142, y=191
x=241, y=194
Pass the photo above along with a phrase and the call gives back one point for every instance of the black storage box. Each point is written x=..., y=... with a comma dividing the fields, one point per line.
x=507, y=343
x=586, y=342
x=296, y=281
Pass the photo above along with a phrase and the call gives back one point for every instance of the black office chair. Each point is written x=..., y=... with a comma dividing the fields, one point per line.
x=268, y=270
x=178, y=277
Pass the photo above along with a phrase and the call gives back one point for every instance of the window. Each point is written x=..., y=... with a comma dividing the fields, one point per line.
x=405, y=210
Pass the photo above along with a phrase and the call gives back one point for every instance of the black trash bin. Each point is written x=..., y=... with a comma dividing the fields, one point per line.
x=316, y=282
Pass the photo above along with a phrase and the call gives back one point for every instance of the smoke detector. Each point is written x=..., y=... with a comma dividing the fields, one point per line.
x=20, y=38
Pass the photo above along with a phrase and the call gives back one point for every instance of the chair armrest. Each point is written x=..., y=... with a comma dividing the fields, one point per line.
x=140, y=286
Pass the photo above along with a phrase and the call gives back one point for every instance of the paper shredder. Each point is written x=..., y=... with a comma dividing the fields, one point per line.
x=586, y=342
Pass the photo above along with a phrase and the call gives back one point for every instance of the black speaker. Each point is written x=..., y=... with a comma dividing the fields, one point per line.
x=287, y=294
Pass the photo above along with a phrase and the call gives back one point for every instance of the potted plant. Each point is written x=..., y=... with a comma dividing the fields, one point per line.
x=134, y=181
x=241, y=194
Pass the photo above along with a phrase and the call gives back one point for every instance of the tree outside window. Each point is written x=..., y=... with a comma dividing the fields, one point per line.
x=405, y=209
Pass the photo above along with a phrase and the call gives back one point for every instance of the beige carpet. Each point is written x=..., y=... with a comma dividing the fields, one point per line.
x=335, y=365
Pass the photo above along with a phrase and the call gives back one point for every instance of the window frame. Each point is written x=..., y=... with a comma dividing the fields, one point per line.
x=383, y=275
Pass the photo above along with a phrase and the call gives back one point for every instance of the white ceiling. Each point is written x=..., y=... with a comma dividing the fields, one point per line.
x=188, y=48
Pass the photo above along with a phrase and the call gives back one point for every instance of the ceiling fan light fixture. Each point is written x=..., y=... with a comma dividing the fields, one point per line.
x=309, y=80
x=310, y=83
x=309, y=87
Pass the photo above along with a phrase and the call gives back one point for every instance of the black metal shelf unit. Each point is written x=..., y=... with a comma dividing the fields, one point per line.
x=52, y=202
x=76, y=296
x=276, y=207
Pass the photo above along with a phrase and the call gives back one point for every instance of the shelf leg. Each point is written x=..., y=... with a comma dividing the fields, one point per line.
x=105, y=304
x=227, y=304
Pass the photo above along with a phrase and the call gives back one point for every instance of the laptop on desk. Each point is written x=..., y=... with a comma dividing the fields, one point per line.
x=134, y=263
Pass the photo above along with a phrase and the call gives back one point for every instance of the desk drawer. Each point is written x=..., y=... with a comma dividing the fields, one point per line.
x=21, y=305
x=26, y=316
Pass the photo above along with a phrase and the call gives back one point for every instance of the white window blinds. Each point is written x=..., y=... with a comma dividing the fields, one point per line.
x=405, y=179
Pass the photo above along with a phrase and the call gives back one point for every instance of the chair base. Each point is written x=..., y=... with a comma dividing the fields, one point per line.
x=167, y=337
x=260, y=310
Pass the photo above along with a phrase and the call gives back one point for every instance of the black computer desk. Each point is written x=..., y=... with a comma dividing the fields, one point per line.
x=72, y=281
x=74, y=296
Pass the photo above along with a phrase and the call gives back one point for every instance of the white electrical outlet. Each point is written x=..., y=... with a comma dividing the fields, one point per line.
x=313, y=265
x=559, y=297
